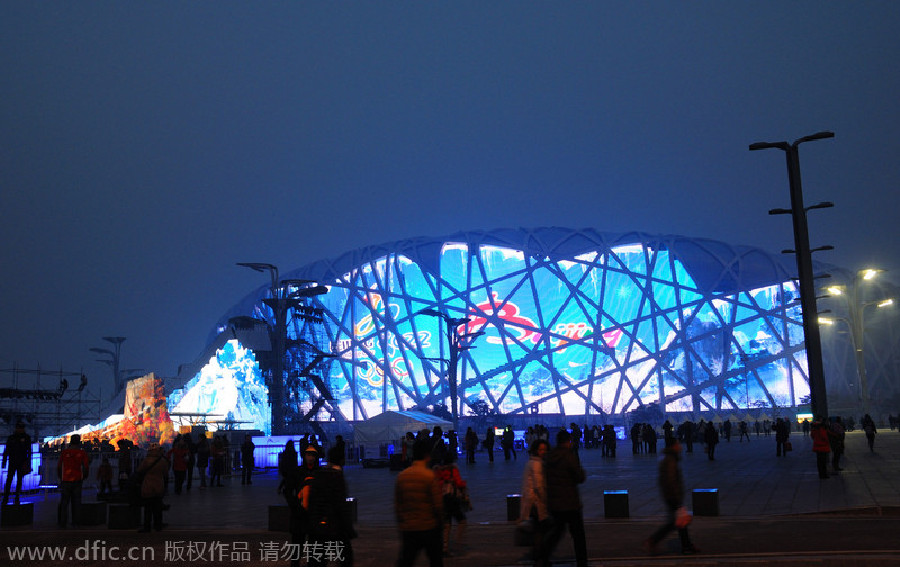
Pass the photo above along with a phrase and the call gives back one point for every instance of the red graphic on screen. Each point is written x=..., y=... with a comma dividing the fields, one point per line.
x=525, y=328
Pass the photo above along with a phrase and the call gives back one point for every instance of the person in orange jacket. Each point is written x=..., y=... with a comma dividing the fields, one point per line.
x=821, y=446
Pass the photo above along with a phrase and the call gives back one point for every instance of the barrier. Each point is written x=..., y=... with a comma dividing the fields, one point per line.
x=615, y=504
x=17, y=514
x=705, y=501
x=513, y=506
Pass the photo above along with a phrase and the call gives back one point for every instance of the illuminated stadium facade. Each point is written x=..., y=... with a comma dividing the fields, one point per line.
x=578, y=323
x=574, y=324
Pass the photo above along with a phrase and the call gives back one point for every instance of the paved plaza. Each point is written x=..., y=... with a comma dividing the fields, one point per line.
x=772, y=509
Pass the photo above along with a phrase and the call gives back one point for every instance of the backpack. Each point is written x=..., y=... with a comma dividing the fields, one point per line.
x=137, y=480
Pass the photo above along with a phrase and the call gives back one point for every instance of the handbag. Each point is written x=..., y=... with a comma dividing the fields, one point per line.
x=683, y=517
x=788, y=446
x=137, y=479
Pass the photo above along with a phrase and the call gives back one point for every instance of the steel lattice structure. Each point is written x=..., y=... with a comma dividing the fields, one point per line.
x=573, y=322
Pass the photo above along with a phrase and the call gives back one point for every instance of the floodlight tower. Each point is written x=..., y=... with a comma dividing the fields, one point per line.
x=457, y=342
x=818, y=394
x=281, y=301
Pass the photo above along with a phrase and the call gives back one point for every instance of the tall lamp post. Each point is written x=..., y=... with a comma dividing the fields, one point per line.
x=818, y=394
x=456, y=343
x=280, y=303
x=856, y=310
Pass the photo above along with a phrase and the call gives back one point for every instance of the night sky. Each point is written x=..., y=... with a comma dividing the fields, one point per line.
x=148, y=147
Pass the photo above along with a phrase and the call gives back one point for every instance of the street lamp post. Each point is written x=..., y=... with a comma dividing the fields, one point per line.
x=818, y=394
x=856, y=310
x=280, y=303
x=456, y=343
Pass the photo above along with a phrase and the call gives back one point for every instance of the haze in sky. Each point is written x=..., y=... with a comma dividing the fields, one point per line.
x=147, y=148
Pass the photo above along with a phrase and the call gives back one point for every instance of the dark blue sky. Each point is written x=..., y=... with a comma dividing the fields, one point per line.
x=147, y=147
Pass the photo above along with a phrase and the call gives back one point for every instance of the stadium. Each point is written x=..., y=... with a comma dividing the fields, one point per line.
x=546, y=321
x=544, y=325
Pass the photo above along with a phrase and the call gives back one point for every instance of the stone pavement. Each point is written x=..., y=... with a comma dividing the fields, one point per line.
x=774, y=510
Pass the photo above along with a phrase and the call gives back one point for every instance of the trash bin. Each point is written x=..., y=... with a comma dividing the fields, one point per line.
x=513, y=505
x=705, y=501
x=615, y=503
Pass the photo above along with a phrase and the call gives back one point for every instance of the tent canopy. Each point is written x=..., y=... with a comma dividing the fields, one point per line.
x=391, y=427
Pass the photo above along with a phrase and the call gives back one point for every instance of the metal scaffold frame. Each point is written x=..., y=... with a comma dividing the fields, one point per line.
x=49, y=402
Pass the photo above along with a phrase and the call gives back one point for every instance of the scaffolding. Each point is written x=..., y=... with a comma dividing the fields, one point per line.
x=49, y=403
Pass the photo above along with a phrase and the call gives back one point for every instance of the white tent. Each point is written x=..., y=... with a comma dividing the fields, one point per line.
x=390, y=428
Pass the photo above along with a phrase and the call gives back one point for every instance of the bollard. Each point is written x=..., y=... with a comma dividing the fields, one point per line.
x=615, y=504
x=17, y=514
x=705, y=501
x=513, y=505
x=352, y=505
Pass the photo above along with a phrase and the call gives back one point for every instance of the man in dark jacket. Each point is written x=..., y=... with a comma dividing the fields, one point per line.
x=671, y=484
x=564, y=473
x=17, y=459
x=782, y=429
x=329, y=524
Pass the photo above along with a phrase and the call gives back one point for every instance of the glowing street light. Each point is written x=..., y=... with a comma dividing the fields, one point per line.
x=856, y=310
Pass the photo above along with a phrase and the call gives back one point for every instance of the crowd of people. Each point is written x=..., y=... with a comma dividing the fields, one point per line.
x=431, y=497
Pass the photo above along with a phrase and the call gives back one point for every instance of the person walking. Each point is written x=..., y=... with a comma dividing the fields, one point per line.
x=564, y=474
x=289, y=487
x=821, y=446
x=471, y=445
x=104, y=477
x=837, y=443
x=508, y=443
x=688, y=432
x=179, y=457
x=16, y=460
x=534, y=496
x=328, y=518
x=72, y=469
x=247, y=448
x=671, y=484
x=744, y=431
x=419, y=508
x=154, y=469
x=868, y=426
x=456, y=504
x=126, y=464
x=782, y=429
x=489, y=438
x=711, y=436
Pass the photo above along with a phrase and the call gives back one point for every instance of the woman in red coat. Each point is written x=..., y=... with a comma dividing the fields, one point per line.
x=821, y=446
